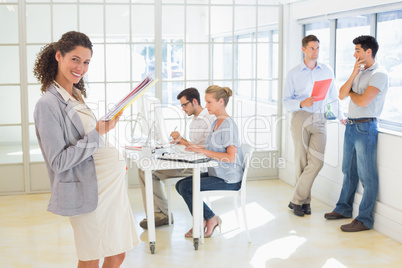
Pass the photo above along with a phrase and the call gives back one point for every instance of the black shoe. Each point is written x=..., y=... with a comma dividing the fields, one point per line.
x=297, y=210
x=306, y=208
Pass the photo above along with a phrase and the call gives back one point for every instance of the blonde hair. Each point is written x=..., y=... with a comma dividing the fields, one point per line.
x=219, y=93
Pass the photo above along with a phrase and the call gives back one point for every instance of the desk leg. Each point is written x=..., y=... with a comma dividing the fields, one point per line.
x=197, y=212
x=150, y=209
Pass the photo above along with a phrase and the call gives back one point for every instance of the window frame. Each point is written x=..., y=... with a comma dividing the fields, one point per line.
x=101, y=38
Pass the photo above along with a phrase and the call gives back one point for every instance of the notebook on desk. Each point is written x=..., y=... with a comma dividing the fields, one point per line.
x=188, y=157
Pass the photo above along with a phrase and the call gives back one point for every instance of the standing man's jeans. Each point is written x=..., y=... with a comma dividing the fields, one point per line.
x=359, y=162
x=309, y=137
x=185, y=188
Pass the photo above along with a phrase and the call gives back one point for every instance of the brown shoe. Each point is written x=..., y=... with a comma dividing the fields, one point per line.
x=334, y=216
x=160, y=219
x=354, y=226
x=144, y=223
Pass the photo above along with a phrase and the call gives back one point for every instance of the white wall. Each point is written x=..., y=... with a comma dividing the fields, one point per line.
x=327, y=186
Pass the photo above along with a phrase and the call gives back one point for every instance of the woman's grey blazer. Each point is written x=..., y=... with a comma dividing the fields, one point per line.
x=68, y=155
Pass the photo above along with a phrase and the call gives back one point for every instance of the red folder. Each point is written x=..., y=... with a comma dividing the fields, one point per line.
x=320, y=89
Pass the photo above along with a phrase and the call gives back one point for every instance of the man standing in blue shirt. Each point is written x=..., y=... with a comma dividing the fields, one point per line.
x=308, y=120
x=367, y=87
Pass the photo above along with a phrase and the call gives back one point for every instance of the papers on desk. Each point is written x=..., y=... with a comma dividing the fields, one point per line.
x=133, y=147
x=139, y=146
x=320, y=89
x=188, y=157
x=133, y=95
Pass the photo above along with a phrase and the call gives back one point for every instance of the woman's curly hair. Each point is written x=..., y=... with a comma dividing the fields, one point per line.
x=46, y=65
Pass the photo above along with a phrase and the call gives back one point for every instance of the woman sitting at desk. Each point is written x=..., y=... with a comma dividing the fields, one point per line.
x=222, y=144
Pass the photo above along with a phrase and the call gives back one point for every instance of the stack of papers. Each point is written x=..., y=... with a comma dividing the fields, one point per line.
x=133, y=95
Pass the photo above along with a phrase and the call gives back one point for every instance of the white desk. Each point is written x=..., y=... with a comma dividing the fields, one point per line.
x=149, y=164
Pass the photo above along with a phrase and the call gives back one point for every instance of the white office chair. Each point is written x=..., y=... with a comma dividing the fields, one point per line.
x=247, y=152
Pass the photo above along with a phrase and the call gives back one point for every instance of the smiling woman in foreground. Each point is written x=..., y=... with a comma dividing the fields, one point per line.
x=86, y=176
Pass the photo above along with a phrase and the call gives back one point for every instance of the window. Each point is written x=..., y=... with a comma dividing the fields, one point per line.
x=245, y=58
x=322, y=31
x=220, y=46
x=390, y=56
x=255, y=81
x=10, y=87
x=192, y=43
x=348, y=29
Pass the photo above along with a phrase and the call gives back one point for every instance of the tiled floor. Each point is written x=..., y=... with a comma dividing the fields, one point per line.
x=32, y=237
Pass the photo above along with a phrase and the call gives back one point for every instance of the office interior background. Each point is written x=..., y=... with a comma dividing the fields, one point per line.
x=247, y=45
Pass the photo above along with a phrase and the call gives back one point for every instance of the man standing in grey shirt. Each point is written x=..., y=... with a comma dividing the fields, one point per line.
x=367, y=87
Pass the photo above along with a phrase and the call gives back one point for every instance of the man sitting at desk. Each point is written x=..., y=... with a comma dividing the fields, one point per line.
x=199, y=129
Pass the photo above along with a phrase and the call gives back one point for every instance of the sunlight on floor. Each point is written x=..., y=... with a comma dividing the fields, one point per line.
x=281, y=248
x=278, y=238
x=256, y=217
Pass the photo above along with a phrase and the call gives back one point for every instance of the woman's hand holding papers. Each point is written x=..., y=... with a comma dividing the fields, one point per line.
x=104, y=127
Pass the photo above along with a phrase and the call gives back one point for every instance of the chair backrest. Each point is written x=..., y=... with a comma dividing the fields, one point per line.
x=247, y=153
